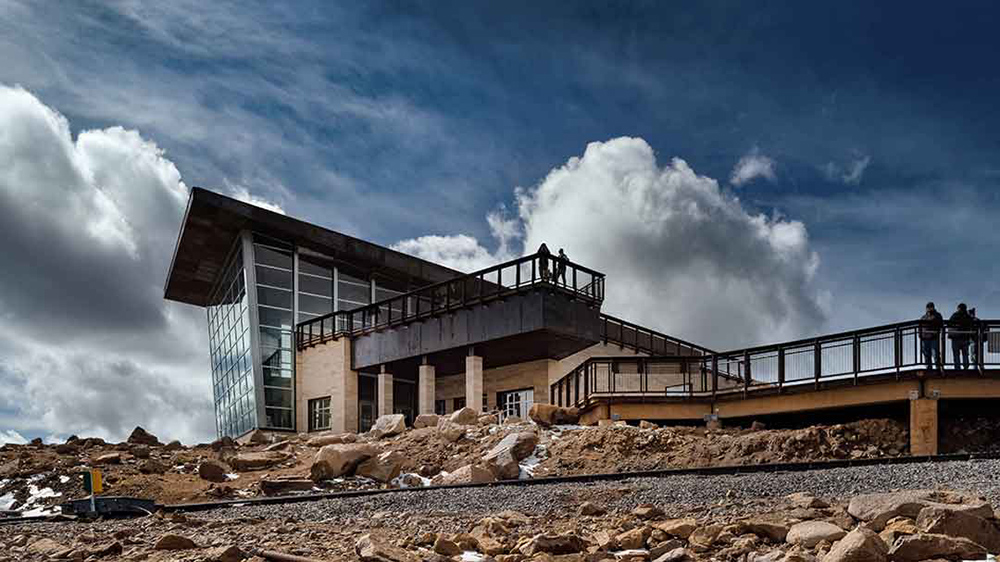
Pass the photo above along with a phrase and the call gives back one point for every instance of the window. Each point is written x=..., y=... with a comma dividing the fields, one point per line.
x=457, y=403
x=439, y=407
x=319, y=414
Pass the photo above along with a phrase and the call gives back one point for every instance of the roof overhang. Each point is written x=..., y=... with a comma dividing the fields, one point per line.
x=212, y=223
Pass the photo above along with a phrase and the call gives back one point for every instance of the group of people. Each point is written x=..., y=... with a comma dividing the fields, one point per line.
x=560, y=261
x=962, y=327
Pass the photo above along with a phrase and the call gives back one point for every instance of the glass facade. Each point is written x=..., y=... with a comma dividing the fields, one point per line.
x=274, y=264
x=231, y=352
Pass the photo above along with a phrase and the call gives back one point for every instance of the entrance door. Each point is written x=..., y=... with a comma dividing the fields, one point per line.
x=515, y=403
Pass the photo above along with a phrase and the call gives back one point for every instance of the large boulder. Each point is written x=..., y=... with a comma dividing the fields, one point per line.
x=255, y=437
x=174, y=542
x=372, y=549
x=213, y=471
x=383, y=467
x=140, y=436
x=426, y=420
x=547, y=415
x=956, y=523
x=465, y=416
x=450, y=431
x=504, y=458
x=325, y=439
x=554, y=544
x=389, y=425
x=927, y=546
x=257, y=461
x=772, y=530
x=332, y=461
x=680, y=528
x=860, y=545
x=878, y=509
x=810, y=533
x=468, y=474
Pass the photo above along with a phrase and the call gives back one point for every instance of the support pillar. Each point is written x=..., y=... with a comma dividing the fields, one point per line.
x=334, y=358
x=425, y=389
x=474, y=382
x=384, y=393
x=923, y=426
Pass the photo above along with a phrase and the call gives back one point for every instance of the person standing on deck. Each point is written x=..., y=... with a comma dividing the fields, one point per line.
x=960, y=329
x=931, y=324
x=561, y=266
x=543, y=261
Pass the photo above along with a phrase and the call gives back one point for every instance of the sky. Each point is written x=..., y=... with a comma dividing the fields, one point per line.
x=743, y=172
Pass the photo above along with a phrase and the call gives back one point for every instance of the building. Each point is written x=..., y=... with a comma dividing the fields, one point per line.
x=313, y=330
x=310, y=329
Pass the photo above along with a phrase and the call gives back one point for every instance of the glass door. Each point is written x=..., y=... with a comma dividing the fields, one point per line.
x=515, y=403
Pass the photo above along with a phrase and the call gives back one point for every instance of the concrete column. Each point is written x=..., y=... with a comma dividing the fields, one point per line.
x=425, y=389
x=384, y=393
x=474, y=382
x=923, y=426
x=333, y=360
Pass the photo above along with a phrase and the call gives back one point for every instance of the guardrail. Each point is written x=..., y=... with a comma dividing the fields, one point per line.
x=500, y=281
x=846, y=356
x=626, y=334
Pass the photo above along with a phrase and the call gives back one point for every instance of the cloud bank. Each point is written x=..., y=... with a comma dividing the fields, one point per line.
x=87, y=343
x=680, y=253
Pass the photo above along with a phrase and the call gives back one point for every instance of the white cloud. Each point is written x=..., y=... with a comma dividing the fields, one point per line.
x=751, y=166
x=850, y=173
x=243, y=194
x=463, y=252
x=680, y=254
x=87, y=343
x=11, y=436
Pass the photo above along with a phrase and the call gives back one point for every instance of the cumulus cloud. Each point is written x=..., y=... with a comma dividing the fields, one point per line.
x=464, y=252
x=680, y=254
x=849, y=173
x=11, y=436
x=243, y=194
x=751, y=166
x=87, y=343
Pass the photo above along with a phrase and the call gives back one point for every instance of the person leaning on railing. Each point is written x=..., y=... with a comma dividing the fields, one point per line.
x=543, y=261
x=960, y=329
x=561, y=262
x=931, y=324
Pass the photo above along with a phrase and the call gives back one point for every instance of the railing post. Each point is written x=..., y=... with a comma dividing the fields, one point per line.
x=856, y=354
x=715, y=374
x=574, y=279
x=817, y=362
x=576, y=386
x=980, y=348
x=517, y=276
x=781, y=368
x=897, y=349
x=552, y=394
x=747, y=375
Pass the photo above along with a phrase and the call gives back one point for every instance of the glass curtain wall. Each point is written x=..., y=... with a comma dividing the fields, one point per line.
x=274, y=266
x=230, y=350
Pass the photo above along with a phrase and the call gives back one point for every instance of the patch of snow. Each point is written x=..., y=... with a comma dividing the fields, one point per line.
x=232, y=476
x=6, y=501
x=398, y=481
x=472, y=556
x=63, y=479
x=529, y=464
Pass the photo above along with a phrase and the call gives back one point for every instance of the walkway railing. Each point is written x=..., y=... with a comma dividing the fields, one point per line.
x=635, y=337
x=500, y=281
x=847, y=357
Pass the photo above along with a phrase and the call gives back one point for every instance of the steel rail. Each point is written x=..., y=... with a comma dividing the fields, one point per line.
x=722, y=470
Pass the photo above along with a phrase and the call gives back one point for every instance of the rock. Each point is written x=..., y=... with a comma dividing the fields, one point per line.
x=257, y=461
x=174, y=542
x=109, y=458
x=512, y=420
x=174, y=445
x=677, y=555
x=487, y=419
x=450, y=432
x=704, y=536
x=664, y=547
x=213, y=471
x=647, y=511
x=140, y=436
x=389, y=425
x=647, y=425
x=925, y=546
x=426, y=420
x=152, y=466
x=446, y=547
x=255, y=437
x=383, y=467
x=226, y=554
x=465, y=416
x=140, y=451
x=282, y=486
x=811, y=533
x=554, y=544
x=332, y=439
x=279, y=446
x=113, y=548
x=371, y=549
x=953, y=523
x=634, y=538
x=590, y=508
x=503, y=460
x=805, y=500
x=757, y=426
x=468, y=474
x=860, y=545
x=225, y=442
x=774, y=531
x=66, y=449
x=332, y=461
x=546, y=415
x=410, y=481
x=45, y=547
x=878, y=509
x=680, y=528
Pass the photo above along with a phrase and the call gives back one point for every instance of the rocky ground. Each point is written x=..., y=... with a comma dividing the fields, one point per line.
x=901, y=513
x=463, y=447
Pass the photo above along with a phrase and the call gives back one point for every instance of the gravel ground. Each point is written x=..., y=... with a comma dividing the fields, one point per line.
x=708, y=495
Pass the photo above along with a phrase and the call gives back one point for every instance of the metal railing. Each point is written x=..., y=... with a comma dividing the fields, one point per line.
x=635, y=337
x=500, y=281
x=847, y=357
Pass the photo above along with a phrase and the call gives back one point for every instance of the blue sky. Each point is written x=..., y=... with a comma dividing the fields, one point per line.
x=871, y=124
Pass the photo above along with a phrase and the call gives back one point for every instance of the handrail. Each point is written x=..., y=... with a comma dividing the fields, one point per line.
x=651, y=335
x=498, y=281
x=890, y=349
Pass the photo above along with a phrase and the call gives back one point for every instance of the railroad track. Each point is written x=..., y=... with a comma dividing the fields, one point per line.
x=581, y=478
